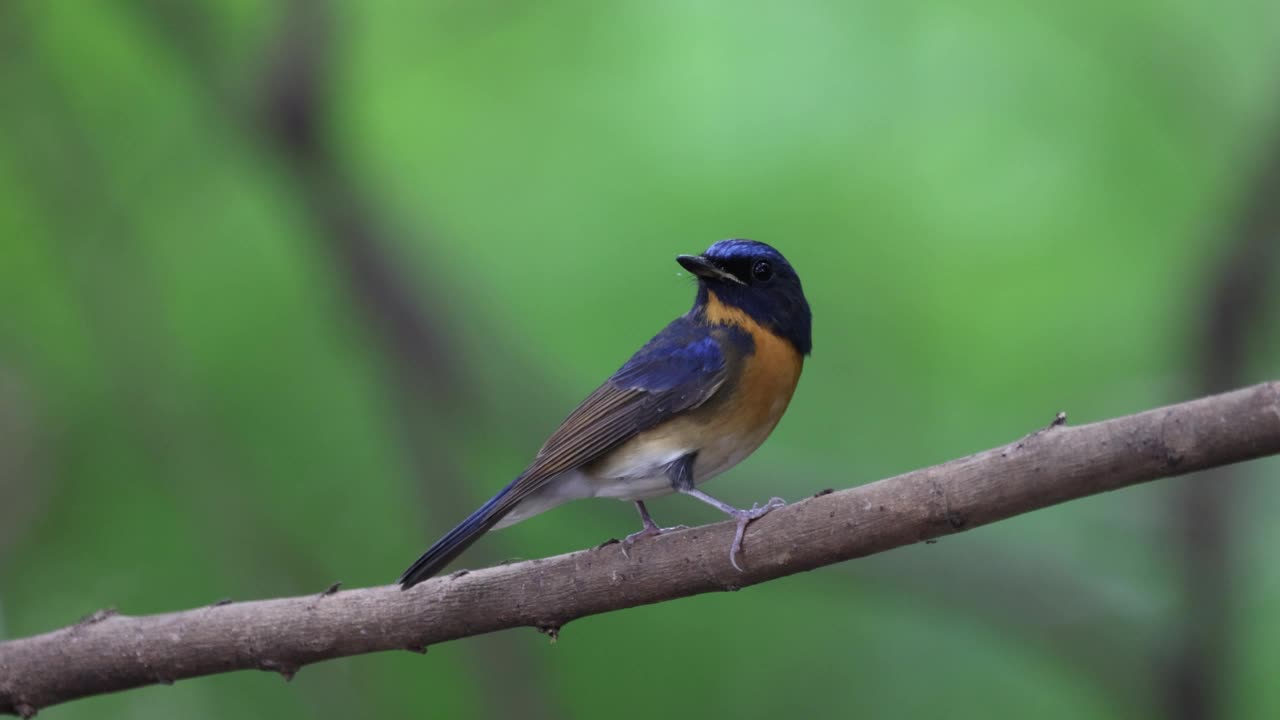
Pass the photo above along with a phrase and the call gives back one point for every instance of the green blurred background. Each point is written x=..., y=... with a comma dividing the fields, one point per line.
x=287, y=289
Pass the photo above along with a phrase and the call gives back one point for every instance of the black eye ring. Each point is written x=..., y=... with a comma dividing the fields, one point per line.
x=762, y=271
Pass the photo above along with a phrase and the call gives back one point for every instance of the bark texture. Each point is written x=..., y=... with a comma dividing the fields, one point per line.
x=108, y=652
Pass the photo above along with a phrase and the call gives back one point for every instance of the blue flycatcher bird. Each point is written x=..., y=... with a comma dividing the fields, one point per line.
x=693, y=402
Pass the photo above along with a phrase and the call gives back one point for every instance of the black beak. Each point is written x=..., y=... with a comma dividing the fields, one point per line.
x=704, y=268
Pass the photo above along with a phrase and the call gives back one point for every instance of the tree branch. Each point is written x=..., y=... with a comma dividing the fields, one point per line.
x=108, y=652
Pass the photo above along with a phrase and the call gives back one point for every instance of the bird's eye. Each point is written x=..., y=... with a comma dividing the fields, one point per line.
x=762, y=271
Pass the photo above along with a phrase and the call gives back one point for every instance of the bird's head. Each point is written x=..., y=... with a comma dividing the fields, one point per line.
x=753, y=277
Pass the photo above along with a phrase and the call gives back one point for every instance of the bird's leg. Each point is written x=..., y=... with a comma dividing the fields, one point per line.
x=744, y=517
x=650, y=528
x=681, y=472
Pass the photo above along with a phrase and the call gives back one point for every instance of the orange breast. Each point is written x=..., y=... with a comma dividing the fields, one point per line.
x=755, y=405
x=724, y=431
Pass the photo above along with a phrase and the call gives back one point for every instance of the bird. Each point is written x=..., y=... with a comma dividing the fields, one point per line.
x=694, y=401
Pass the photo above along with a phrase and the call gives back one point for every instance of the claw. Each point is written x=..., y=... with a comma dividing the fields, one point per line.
x=744, y=518
x=628, y=541
x=650, y=529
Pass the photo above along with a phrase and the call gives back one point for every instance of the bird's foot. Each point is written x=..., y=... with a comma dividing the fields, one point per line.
x=744, y=518
x=650, y=529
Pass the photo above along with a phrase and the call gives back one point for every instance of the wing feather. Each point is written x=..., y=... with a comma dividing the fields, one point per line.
x=678, y=370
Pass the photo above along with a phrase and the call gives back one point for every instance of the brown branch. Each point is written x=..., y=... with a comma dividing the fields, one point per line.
x=108, y=652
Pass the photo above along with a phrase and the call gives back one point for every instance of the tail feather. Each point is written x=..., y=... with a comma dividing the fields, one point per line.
x=457, y=540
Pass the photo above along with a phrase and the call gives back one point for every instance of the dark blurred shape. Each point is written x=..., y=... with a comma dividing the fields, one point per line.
x=21, y=488
x=1235, y=311
x=296, y=78
x=288, y=110
x=292, y=102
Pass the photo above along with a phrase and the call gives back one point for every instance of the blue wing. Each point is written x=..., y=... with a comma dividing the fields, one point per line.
x=684, y=355
x=678, y=370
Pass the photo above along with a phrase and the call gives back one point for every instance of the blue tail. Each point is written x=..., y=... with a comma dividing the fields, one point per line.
x=458, y=539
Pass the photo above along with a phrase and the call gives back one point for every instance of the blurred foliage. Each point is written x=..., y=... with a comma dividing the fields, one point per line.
x=999, y=210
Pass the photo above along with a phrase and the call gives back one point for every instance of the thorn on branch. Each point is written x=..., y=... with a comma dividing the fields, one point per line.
x=551, y=631
x=26, y=711
x=419, y=649
x=222, y=602
x=607, y=543
x=458, y=573
x=331, y=590
x=1059, y=420
x=286, y=670
x=824, y=491
x=97, y=617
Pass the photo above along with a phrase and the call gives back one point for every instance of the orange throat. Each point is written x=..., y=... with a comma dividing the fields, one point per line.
x=769, y=374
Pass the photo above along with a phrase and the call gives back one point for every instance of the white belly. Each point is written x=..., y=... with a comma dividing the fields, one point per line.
x=638, y=473
x=576, y=485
